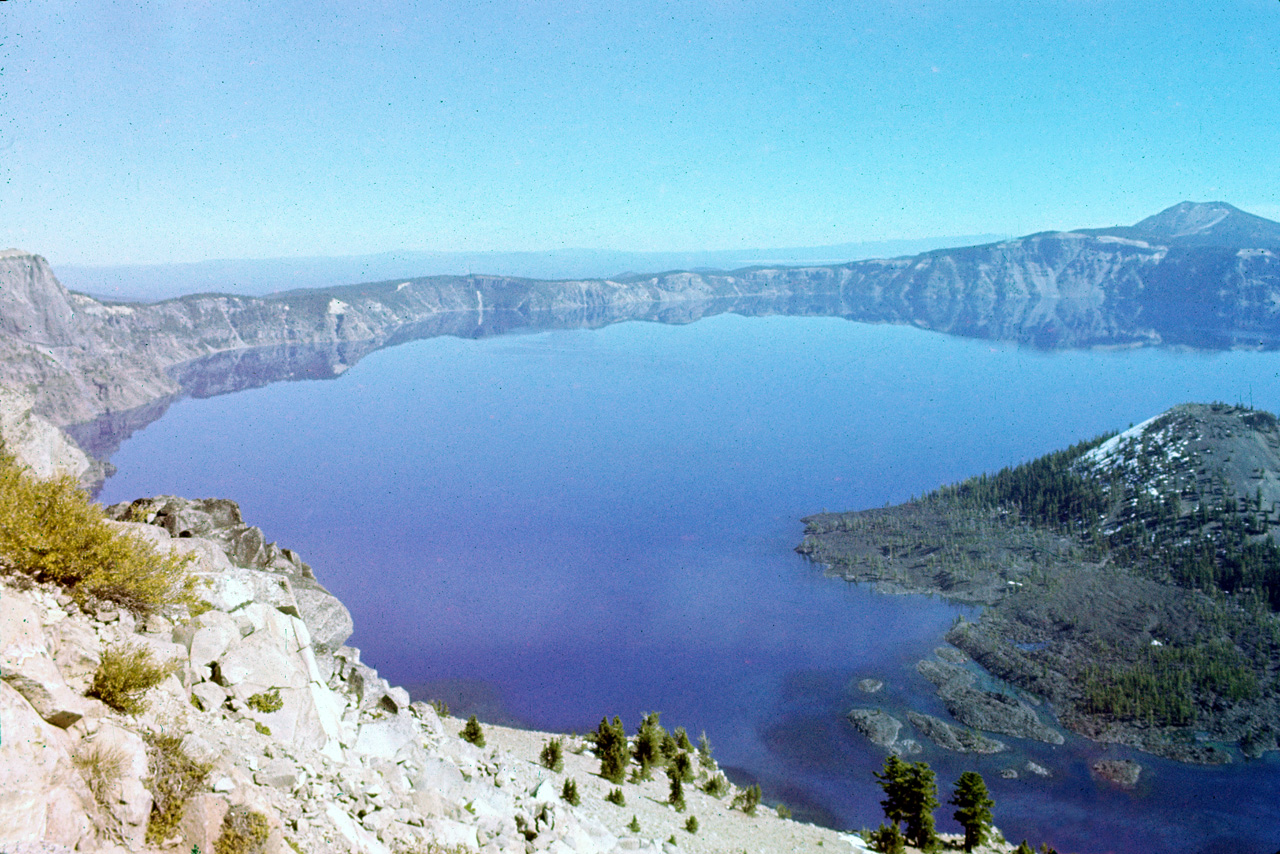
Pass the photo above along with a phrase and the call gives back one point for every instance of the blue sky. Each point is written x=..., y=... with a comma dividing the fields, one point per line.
x=182, y=131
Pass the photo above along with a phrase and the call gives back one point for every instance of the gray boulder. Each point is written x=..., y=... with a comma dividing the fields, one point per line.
x=954, y=738
x=877, y=725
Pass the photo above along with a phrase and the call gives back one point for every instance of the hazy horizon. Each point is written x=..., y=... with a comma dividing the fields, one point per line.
x=261, y=276
x=179, y=132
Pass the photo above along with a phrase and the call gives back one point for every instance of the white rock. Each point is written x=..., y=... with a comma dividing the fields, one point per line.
x=261, y=662
x=25, y=663
x=75, y=647
x=385, y=738
x=201, y=822
x=355, y=835
x=449, y=833
x=227, y=590
x=278, y=773
x=210, y=696
x=42, y=797
x=131, y=805
x=207, y=637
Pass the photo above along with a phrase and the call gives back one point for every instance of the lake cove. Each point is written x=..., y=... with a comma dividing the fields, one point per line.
x=550, y=527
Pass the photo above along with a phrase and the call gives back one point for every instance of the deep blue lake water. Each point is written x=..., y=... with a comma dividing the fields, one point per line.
x=552, y=527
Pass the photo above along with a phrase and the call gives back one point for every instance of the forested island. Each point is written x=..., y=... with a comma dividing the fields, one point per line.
x=1132, y=581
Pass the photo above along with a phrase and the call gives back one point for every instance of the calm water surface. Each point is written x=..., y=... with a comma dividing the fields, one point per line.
x=553, y=527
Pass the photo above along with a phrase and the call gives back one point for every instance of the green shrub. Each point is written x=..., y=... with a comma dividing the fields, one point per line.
x=441, y=707
x=244, y=831
x=175, y=777
x=50, y=530
x=634, y=826
x=472, y=732
x=887, y=839
x=552, y=755
x=266, y=701
x=569, y=794
x=124, y=675
x=615, y=796
x=682, y=740
x=784, y=811
x=747, y=800
x=692, y=824
x=262, y=728
x=717, y=786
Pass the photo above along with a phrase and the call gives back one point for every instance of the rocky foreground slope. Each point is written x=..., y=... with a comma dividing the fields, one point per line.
x=1132, y=582
x=1205, y=275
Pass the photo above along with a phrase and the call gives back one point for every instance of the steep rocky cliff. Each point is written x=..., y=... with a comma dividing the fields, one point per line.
x=1201, y=275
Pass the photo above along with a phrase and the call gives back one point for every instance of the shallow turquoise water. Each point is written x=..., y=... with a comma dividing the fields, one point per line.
x=557, y=526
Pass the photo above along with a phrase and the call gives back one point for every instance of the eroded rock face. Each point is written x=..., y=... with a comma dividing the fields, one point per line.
x=290, y=586
x=38, y=444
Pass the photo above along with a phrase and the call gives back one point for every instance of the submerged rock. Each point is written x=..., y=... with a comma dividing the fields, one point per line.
x=1122, y=772
x=995, y=712
x=880, y=727
x=954, y=738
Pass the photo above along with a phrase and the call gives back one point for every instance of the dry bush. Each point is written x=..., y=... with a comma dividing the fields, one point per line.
x=175, y=777
x=124, y=675
x=49, y=529
x=102, y=767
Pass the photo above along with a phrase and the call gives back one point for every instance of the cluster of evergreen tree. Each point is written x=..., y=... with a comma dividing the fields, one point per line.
x=1211, y=547
x=911, y=796
x=1161, y=686
x=1047, y=491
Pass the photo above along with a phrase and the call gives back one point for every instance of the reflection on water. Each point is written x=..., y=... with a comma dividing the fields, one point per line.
x=601, y=522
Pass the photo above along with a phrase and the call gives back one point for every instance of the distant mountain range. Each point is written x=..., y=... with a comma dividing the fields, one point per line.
x=259, y=277
x=1200, y=275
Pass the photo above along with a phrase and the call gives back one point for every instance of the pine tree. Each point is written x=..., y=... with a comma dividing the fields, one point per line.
x=973, y=808
x=704, y=752
x=747, y=800
x=611, y=748
x=676, y=797
x=922, y=800
x=893, y=781
x=648, y=749
x=911, y=795
x=570, y=792
x=683, y=765
x=553, y=755
x=472, y=732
